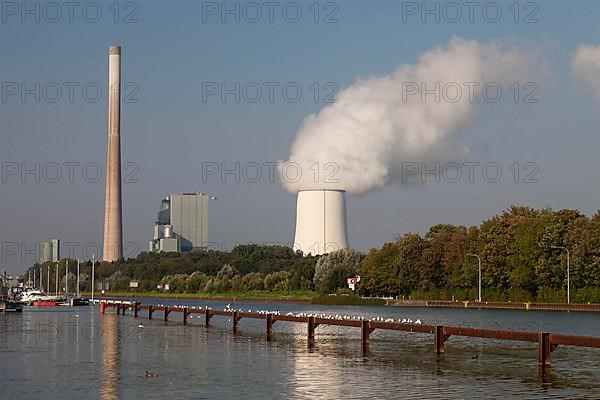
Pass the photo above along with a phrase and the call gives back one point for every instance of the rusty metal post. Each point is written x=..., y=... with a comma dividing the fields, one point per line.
x=365, y=332
x=185, y=315
x=311, y=331
x=269, y=326
x=102, y=307
x=166, y=315
x=234, y=321
x=207, y=318
x=439, y=339
x=136, y=309
x=544, y=349
x=150, y=311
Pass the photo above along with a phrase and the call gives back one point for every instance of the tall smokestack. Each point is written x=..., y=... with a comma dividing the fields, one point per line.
x=321, y=221
x=113, y=218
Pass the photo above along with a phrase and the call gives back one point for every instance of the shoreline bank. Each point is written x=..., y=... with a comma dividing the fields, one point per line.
x=189, y=296
x=356, y=301
x=496, y=305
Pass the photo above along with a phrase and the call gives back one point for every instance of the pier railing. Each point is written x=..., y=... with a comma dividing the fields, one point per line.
x=546, y=341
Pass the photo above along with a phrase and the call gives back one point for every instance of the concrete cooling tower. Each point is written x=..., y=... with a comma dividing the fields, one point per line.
x=321, y=221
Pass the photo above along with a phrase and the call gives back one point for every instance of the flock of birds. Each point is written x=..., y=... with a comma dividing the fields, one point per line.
x=330, y=316
x=228, y=308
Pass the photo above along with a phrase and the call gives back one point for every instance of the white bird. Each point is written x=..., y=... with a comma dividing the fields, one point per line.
x=213, y=198
x=140, y=325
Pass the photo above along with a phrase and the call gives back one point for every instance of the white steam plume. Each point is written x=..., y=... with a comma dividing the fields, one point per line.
x=586, y=67
x=363, y=140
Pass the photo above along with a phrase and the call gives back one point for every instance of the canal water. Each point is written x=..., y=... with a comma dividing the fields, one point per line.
x=59, y=353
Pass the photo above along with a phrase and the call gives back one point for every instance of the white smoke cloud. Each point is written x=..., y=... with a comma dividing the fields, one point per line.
x=360, y=143
x=586, y=67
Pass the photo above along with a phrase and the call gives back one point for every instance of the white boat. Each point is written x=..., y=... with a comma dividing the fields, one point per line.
x=30, y=296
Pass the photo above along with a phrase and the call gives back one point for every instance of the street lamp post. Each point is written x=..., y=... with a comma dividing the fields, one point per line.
x=93, y=267
x=78, y=295
x=568, y=271
x=479, y=261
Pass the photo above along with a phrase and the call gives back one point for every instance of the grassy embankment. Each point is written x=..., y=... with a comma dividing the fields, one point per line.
x=297, y=296
x=255, y=295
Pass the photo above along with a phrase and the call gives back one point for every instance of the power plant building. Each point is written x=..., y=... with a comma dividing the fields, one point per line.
x=182, y=224
x=50, y=251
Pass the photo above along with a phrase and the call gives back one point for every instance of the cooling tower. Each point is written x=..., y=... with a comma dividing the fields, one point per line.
x=321, y=221
x=113, y=218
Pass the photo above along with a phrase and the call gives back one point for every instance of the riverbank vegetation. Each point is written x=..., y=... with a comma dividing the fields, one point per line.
x=523, y=253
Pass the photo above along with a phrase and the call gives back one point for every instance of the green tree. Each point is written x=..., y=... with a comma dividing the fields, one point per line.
x=334, y=268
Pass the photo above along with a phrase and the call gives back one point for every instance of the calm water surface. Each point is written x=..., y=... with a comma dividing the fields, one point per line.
x=77, y=353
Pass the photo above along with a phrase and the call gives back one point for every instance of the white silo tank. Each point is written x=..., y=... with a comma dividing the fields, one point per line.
x=321, y=221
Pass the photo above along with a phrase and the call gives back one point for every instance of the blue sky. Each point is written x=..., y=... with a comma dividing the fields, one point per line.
x=170, y=131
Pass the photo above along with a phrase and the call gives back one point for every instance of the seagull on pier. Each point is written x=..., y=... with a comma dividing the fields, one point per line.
x=140, y=325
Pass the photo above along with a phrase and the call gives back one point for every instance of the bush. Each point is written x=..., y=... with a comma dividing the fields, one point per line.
x=196, y=281
x=333, y=269
x=253, y=281
x=587, y=295
x=277, y=281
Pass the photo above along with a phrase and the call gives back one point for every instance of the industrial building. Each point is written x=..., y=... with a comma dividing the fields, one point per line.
x=321, y=222
x=50, y=251
x=181, y=224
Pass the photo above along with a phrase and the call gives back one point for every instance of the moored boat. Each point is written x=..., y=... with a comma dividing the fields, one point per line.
x=44, y=303
x=11, y=306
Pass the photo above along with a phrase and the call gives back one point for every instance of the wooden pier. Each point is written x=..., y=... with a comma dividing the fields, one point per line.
x=546, y=341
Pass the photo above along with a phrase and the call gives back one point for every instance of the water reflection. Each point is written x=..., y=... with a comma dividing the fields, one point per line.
x=110, y=357
x=193, y=362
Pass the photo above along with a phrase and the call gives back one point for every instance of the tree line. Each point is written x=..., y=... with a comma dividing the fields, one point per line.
x=522, y=251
